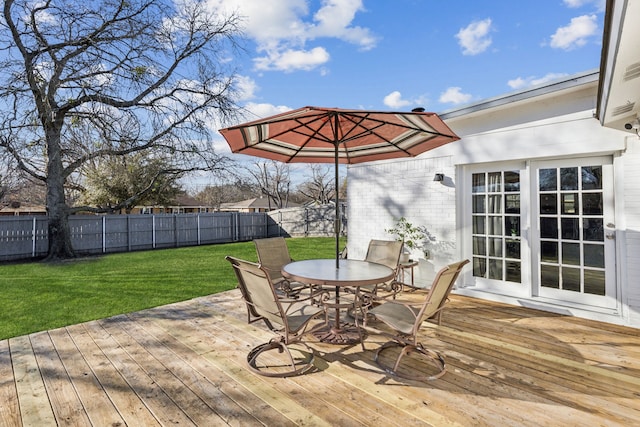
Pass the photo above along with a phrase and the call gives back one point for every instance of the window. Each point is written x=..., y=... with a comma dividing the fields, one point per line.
x=496, y=225
x=572, y=241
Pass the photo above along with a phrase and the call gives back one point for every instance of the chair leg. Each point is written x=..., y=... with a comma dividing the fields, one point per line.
x=277, y=344
x=433, y=357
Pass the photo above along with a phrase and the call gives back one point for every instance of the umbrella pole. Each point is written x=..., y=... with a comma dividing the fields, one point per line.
x=337, y=220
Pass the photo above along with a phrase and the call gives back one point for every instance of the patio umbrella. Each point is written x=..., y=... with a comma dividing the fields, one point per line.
x=333, y=135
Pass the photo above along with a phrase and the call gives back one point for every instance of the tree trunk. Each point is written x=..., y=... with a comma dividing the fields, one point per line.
x=58, y=212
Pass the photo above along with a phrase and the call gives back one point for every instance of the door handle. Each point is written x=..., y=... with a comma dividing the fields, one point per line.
x=610, y=236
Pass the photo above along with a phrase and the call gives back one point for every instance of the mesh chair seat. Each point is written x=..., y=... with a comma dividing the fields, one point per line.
x=288, y=319
x=405, y=319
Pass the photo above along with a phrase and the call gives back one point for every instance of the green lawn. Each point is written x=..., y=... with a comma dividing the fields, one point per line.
x=39, y=296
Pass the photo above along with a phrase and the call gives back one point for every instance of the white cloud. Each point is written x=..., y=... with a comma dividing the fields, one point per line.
x=522, y=82
x=576, y=33
x=290, y=60
x=246, y=88
x=474, y=38
x=283, y=29
x=454, y=95
x=261, y=110
x=573, y=4
x=394, y=100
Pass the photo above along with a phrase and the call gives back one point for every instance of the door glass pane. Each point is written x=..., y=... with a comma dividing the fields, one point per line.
x=593, y=229
x=495, y=269
x=549, y=251
x=549, y=276
x=479, y=267
x=479, y=246
x=594, y=256
x=592, y=177
x=548, y=179
x=511, y=181
x=548, y=204
x=495, y=204
x=571, y=253
x=478, y=183
x=569, y=204
x=512, y=226
x=594, y=282
x=478, y=225
x=512, y=203
x=495, y=247
x=549, y=228
x=478, y=204
x=568, y=178
x=513, y=271
x=570, y=228
x=495, y=225
x=571, y=279
x=495, y=182
x=592, y=204
x=512, y=249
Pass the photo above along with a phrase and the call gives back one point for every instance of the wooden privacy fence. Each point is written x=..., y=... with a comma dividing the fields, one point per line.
x=24, y=237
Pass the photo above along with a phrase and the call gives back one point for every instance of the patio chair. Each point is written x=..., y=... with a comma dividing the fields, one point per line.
x=289, y=319
x=273, y=254
x=385, y=252
x=405, y=318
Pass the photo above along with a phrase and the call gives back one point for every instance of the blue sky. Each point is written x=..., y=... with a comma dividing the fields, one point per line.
x=397, y=55
x=400, y=54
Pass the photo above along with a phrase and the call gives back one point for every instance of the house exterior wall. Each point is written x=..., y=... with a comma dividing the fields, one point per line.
x=629, y=178
x=557, y=124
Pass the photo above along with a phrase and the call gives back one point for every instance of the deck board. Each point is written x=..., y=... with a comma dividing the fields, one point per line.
x=186, y=363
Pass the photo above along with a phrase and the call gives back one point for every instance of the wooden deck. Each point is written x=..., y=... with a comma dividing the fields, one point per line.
x=185, y=364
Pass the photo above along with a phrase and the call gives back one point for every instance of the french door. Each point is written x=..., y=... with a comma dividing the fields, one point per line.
x=574, y=231
x=546, y=230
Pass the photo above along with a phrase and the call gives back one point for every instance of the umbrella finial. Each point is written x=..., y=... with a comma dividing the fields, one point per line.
x=418, y=110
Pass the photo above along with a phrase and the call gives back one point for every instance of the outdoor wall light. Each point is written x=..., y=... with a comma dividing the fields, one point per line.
x=439, y=177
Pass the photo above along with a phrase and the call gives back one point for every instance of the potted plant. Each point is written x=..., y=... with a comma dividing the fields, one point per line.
x=411, y=236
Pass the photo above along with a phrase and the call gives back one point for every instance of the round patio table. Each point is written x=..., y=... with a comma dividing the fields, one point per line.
x=350, y=273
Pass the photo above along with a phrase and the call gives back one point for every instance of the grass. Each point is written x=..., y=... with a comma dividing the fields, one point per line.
x=40, y=296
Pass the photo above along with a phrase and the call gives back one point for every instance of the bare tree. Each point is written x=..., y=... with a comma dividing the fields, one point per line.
x=84, y=80
x=273, y=180
x=319, y=187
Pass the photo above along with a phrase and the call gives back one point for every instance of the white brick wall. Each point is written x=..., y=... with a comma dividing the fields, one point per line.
x=631, y=184
x=380, y=193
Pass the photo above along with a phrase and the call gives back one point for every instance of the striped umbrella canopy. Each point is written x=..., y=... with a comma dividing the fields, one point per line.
x=334, y=135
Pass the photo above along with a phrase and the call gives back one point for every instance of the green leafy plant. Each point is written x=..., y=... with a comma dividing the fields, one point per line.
x=410, y=235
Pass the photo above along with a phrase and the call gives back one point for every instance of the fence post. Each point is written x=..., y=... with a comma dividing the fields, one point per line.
x=153, y=231
x=33, y=238
x=198, y=228
x=236, y=227
x=104, y=234
x=175, y=230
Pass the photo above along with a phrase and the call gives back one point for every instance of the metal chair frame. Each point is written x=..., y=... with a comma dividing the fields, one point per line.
x=405, y=318
x=289, y=319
